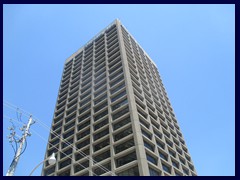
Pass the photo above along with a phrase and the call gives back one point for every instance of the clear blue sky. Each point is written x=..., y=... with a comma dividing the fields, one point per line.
x=192, y=45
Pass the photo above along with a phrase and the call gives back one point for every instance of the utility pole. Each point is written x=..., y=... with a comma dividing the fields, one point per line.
x=22, y=141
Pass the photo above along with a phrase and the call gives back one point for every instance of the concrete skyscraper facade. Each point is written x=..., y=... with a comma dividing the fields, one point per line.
x=113, y=116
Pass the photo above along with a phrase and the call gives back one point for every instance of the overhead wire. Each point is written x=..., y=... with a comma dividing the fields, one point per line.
x=19, y=115
x=59, y=136
x=64, y=153
x=15, y=107
x=15, y=150
x=78, y=150
x=59, y=149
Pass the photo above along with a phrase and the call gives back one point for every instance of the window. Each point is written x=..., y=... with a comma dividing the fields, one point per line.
x=161, y=145
x=65, y=153
x=49, y=171
x=121, y=123
x=126, y=159
x=123, y=134
x=70, y=118
x=130, y=172
x=68, y=134
x=118, y=66
x=101, y=124
x=184, y=148
x=100, y=91
x=64, y=163
x=121, y=103
x=101, y=145
x=172, y=153
x=116, y=81
x=158, y=134
x=83, y=144
x=117, y=88
x=84, y=109
x=102, y=156
x=124, y=146
x=151, y=159
x=101, y=134
x=143, y=114
x=100, y=107
x=68, y=126
x=163, y=156
x=67, y=143
x=83, y=117
x=100, y=85
x=187, y=157
x=140, y=103
x=182, y=160
x=99, y=171
x=176, y=165
x=117, y=73
x=83, y=134
x=86, y=88
x=83, y=125
x=149, y=136
x=169, y=143
x=81, y=154
x=120, y=113
x=71, y=111
x=84, y=83
x=81, y=166
x=144, y=123
x=185, y=171
x=85, y=174
x=57, y=126
x=65, y=173
x=147, y=145
x=166, y=168
x=118, y=96
x=100, y=99
x=191, y=167
x=177, y=174
x=153, y=172
x=99, y=116
x=100, y=71
x=82, y=103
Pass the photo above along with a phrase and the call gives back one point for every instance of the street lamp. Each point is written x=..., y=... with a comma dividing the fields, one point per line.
x=51, y=160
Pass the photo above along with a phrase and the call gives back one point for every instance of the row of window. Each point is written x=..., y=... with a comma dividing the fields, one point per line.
x=79, y=166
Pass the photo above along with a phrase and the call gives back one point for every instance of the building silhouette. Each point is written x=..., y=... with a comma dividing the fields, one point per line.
x=113, y=116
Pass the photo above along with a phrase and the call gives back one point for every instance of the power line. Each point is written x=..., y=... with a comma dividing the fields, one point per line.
x=19, y=149
x=63, y=152
x=58, y=136
x=58, y=149
x=78, y=150
x=67, y=142
x=13, y=106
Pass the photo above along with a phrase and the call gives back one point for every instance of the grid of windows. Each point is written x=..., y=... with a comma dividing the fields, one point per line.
x=155, y=111
x=94, y=104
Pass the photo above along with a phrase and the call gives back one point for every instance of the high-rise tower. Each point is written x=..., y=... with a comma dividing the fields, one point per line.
x=112, y=114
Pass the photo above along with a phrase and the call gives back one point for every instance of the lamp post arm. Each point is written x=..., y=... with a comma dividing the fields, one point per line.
x=38, y=166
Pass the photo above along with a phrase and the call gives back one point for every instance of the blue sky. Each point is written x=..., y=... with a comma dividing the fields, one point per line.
x=192, y=45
